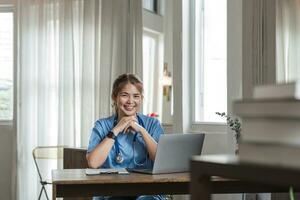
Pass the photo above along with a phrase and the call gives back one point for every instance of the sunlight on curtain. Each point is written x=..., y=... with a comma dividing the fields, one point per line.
x=70, y=52
x=56, y=103
x=287, y=40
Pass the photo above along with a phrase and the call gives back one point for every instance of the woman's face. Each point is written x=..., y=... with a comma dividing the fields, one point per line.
x=128, y=101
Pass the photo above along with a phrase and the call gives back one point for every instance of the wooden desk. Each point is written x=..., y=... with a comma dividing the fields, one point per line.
x=251, y=177
x=74, y=183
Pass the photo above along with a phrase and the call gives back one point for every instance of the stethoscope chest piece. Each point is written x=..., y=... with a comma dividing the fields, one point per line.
x=119, y=158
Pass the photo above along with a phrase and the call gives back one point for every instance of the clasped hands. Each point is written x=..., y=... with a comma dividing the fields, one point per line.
x=126, y=124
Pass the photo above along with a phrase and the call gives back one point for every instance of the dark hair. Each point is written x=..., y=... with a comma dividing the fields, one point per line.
x=122, y=80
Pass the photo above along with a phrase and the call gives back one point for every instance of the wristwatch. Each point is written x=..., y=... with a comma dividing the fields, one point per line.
x=111, y=135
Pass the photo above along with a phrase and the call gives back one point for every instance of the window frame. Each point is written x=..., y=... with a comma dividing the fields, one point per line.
x=8, y=8
x=153, y=27
x=159, y=6
x=204, y=127
x=158, y=61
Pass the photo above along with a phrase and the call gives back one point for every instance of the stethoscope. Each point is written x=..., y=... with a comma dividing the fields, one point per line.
x=119, y=156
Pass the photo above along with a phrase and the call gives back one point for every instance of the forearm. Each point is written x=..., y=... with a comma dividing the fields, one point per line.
x=151, y=144
x=98, y=156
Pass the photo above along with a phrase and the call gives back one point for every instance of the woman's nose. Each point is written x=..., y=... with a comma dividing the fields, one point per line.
x=130, y=99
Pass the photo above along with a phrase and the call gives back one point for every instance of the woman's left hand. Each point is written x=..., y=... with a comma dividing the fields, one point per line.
x=136, y=127
x=151, y=144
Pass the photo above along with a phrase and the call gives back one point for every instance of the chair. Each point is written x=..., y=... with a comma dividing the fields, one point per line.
x=75, y=158
x=43, y=153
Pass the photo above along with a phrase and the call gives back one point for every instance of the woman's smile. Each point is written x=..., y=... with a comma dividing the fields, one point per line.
x=129, y=107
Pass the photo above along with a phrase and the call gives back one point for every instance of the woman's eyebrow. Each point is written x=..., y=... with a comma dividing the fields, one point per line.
x=124, y=93
x=130, y=93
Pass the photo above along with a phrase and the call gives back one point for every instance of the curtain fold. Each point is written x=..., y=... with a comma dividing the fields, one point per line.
x=135, y=33
x=121, y=45
x=287, y=40
x=69, y=53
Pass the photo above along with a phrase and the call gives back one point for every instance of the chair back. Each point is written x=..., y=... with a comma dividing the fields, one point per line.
x=75, y=158
x=46, y=152
x=50, y=155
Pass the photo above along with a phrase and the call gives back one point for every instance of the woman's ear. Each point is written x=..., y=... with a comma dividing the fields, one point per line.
x=114, y=99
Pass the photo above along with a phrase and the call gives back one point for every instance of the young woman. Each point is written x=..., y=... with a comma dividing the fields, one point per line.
x=127, y=139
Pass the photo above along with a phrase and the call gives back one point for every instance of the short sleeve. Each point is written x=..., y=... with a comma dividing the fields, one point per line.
x=96, y=137
x=156, y=129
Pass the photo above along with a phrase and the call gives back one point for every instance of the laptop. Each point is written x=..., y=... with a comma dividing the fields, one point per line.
x=174, y=152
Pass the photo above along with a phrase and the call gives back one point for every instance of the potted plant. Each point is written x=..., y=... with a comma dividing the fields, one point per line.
x=235, y=125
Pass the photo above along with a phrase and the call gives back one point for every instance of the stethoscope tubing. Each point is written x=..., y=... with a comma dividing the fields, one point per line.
x=119, y=157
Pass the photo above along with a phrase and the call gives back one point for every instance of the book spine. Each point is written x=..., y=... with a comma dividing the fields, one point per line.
x=274, y=130
x=276, y=91
x=270, y=154
x=267, y=109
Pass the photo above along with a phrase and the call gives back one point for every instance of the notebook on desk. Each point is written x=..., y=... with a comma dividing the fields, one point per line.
x=174, y=152
x=90, y=171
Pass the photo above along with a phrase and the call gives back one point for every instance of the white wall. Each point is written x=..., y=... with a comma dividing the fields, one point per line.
x=7, y=1
x=6, y=137
x=234, y=58
x=168, y=56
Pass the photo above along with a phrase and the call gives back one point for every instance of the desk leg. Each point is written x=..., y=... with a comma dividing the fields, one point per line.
x=54, y=192
x=200, y=188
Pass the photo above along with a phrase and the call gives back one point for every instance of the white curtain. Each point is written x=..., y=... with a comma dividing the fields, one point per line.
x=287, y=40
x=121, y=44
x=69, y=53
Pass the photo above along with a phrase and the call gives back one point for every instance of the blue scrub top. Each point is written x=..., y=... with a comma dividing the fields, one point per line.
x=135, y=154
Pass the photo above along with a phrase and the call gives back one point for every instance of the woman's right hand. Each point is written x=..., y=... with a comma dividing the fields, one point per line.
x=123, y=124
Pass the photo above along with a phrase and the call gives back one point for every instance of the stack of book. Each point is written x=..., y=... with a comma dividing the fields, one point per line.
x=271, y=125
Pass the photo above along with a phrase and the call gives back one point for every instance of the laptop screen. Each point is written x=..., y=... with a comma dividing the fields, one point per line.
x=175, y=150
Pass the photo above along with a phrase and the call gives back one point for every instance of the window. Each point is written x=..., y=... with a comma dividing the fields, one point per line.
x=149, y=54
x=151, y=5
x=6, y=65
x=151, y=73
x=209, y=58
x=152, y=62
